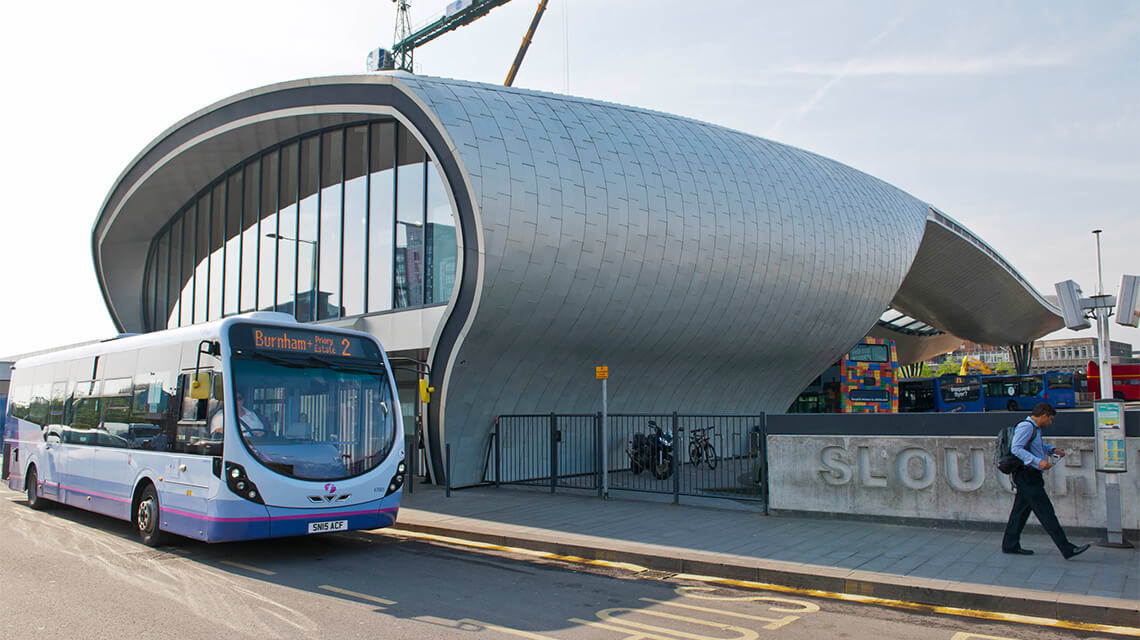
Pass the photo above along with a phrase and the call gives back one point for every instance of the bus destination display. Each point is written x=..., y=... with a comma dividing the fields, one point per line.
x=291, y=341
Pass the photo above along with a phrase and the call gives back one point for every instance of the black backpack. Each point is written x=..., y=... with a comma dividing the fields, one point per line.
x=1004, y=459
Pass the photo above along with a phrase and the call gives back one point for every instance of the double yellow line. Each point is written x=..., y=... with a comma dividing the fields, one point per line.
x=747, y=584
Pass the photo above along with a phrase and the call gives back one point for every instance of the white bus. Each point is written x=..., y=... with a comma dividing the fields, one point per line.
x=249, y=427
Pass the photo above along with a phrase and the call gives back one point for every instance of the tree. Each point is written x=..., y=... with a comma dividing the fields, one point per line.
x=950, y=365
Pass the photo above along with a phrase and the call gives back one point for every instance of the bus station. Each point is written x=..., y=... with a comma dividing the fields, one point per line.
x=339, y=295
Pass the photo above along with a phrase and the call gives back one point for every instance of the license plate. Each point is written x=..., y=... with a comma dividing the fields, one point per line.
x=327, y=526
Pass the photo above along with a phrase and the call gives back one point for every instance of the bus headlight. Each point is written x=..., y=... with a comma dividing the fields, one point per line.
x=241, y=485
x=397, y=480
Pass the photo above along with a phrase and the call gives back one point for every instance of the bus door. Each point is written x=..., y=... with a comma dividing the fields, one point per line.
x=198, y=438
x=53, y=441
x=48, y=469
x=77, y=462
x=111, y=465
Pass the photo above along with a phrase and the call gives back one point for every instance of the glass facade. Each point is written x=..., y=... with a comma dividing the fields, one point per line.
x=336, y=223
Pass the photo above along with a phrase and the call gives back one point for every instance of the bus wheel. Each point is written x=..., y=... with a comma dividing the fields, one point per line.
x=147, y=517
x=1011, y=405
x=31, y=483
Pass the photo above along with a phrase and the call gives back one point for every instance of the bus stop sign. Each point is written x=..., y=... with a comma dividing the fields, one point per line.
x=1109, y=416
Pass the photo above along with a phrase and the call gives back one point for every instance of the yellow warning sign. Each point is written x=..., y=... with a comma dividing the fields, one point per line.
x=601, y=373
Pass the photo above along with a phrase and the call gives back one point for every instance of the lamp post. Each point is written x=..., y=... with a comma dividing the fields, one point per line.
x=1108, y=414
x=312, y=270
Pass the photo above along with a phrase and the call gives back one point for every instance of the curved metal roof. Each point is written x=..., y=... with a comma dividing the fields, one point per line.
x=713, y=269
x=960, y=285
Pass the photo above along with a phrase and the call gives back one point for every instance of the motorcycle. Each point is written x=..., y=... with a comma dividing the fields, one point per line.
x=653, y=451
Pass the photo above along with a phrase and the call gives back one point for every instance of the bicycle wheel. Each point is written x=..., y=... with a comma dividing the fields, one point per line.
x=711, y=458
x=695, y=453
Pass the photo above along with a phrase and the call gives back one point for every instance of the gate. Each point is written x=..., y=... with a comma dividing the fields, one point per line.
x=721, y=456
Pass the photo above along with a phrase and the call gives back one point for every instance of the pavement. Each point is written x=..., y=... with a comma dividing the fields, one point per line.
x=949, y=567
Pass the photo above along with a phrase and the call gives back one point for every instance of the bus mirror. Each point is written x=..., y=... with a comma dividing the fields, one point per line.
x=200, y=386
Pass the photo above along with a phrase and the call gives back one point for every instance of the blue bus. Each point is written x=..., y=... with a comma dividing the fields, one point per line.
x=1023, y=392
x=946, y=393
x=253, y=426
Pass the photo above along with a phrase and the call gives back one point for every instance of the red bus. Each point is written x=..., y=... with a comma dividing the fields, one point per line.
x=1125, y=381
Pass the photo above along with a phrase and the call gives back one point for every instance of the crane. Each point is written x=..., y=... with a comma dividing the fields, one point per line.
x=457, y=14
x=525, y=43
x=969, y=362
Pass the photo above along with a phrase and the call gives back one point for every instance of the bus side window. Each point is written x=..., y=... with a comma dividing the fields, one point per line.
x=85, y=406
x=58, y=402
x=155, y=408
x=192, y=410
x=193, y=434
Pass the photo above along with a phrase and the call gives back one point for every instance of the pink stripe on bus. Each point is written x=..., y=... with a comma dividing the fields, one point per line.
x=263, y=519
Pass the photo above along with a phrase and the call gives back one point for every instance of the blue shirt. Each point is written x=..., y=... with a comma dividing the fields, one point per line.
x=1028, y=445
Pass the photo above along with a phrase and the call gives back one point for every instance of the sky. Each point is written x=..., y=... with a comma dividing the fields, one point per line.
x=1021, y=120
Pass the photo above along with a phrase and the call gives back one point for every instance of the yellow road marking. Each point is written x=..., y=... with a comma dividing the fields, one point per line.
x=264, y=572
x=611, y=615
x=695, y=592
x=747, y=584
x=773, y=623
x=630, y=634
x=354, y=594
x=507, y=630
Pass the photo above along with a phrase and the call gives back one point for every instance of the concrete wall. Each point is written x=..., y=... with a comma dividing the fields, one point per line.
x=935, y=477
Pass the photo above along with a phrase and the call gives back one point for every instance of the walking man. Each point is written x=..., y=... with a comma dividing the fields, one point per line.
x=1028, y=446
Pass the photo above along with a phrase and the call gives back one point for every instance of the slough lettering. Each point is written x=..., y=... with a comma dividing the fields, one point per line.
x=963, y=469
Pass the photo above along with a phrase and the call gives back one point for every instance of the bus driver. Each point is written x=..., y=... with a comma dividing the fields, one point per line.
x=248, y=421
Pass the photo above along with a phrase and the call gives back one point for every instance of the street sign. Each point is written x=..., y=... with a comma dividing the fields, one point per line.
x=601, y=373
x=1109, y=416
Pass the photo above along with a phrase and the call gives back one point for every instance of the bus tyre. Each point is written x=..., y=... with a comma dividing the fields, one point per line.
x=31, y=483
x=1011, y=405
x=147, y=518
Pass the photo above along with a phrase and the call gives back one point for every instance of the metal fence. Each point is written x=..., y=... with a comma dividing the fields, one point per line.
x=710, y=455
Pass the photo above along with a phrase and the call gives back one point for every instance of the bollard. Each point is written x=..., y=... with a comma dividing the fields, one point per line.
x=553, y=451
x=409, y=462
x=447, y=480
x=498, y=454
x=673, y=463
x=601, y=451
x=764, y=460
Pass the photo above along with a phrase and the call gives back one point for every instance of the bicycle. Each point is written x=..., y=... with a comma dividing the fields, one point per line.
x=701, y=448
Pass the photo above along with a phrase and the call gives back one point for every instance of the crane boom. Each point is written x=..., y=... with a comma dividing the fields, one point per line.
x=472, y=11
x=525, y=44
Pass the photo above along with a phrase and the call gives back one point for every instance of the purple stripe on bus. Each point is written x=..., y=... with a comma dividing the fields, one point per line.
x=327, y=514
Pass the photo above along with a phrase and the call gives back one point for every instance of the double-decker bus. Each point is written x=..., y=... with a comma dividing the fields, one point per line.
x=249, y=427
x=863, y=381
x=1023, y=392
x=946, y=393
x=1125, y=381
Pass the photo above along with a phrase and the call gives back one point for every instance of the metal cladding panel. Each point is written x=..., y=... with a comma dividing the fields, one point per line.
x=711, y=270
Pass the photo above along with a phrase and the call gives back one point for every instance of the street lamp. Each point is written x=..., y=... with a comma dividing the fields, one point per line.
x=313, y=273
x=277, y=237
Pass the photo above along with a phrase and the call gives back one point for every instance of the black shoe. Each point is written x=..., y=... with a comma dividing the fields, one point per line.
x=1019, y=551
x=1076, y=551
